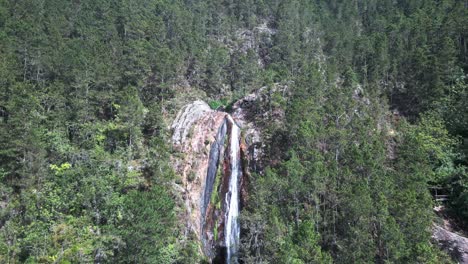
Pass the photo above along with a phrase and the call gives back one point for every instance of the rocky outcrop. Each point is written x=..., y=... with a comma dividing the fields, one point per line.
x=259, y=39
x=189, y=115
x=194, y=130
x=214, y=153
x=207, y=146
x=253, y=112
x=454, y=244
x=217, y=151
x=245, y=112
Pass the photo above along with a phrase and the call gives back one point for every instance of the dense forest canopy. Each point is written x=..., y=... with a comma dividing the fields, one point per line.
x=376, y=112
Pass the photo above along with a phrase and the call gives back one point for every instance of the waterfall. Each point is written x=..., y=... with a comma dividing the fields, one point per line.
x=213, y=176
x=232, y=229
x=229, y=157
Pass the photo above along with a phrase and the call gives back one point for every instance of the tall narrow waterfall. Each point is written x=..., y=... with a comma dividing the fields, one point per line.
x=214, y=177
x=232, y=197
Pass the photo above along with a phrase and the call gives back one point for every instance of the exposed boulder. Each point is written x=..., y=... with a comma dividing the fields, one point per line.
x=189, y=115
x=454, y=244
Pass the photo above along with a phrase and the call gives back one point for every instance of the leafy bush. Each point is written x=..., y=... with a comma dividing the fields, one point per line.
x=216, y=104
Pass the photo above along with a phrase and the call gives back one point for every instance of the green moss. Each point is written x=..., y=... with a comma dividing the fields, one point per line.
x=215, y=231
x=215, y=199
x=215, y=194
x=215, y=104
x=225, y=103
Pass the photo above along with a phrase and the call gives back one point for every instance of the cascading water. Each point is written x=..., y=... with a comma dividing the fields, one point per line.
x=214, y=173
x=232, y=229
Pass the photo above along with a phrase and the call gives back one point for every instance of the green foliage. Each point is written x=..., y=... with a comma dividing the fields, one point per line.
x=303, y=246
x=438, y=145
x=86, y=87
x=215, y=104
x=60, y=169
x=142, y=228
x=75, y=136
x=215, y=199
x=459, y=196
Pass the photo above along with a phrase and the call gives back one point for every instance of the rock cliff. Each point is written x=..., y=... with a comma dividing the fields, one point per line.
x=215, y=153
x=210, y=156
x=454, y=244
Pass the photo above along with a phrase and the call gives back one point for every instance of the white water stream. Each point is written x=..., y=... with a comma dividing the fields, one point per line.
x=232, y=231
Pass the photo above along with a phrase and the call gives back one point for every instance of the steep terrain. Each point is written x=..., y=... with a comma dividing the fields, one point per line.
x=250, y=131
x=212, y=169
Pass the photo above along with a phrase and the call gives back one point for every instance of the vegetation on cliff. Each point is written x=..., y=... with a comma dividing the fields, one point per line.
x=375, y=111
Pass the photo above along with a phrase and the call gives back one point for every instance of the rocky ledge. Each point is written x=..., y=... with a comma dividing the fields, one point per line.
x=454, y=244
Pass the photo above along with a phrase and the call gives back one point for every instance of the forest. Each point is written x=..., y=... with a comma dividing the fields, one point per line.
x=374, y=118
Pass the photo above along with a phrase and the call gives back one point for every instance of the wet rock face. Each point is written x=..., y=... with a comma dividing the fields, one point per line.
x=220, y=233
x=217, y=150
x=214, y=155
x=211, y=172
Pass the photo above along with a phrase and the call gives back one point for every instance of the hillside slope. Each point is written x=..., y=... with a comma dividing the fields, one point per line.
x=348, y=112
